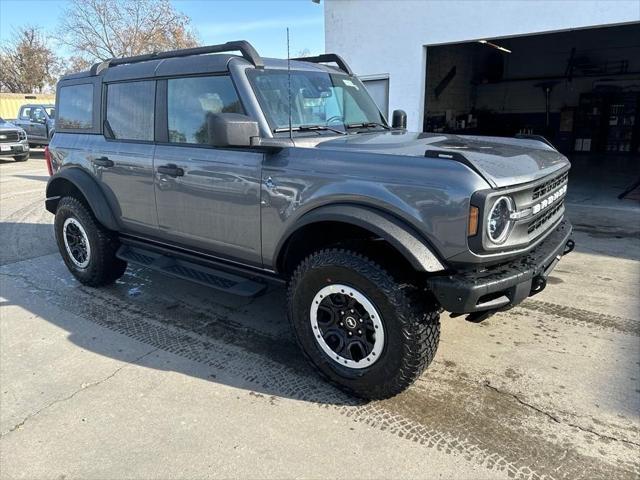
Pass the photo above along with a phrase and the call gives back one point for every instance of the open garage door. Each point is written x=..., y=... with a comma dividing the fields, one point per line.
x=580, y=89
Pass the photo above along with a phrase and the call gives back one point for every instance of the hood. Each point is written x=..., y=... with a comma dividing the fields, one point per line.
x=4, y=126
x=501, y=161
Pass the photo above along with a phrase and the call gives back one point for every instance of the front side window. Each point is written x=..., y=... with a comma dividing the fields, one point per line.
x=37, y=114
x=130, y=110
x=75, y=103
x=191, y=102
x=317, y=99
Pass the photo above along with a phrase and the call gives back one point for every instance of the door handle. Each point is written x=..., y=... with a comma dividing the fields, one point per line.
x=103, y=162
x=172, y=170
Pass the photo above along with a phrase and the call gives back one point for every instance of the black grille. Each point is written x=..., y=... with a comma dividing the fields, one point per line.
x=543, y=219
x=9, y=137
x=549, y=185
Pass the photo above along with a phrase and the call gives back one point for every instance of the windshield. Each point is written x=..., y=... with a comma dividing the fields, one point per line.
x=317, y=99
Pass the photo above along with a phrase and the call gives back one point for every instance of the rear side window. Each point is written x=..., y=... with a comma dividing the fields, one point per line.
x=190, y=101
x=130, y=110
x=75, y=109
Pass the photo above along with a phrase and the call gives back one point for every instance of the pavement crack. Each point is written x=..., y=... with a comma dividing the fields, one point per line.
x=28, y=282
x=82, y=388
x=522, y=402
x=556, y=419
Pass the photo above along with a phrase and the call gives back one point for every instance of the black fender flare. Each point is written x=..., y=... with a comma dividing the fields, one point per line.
x=88, y=187
x=401, y=236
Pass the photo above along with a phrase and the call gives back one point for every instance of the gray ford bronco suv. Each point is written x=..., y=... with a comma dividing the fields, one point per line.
x=235, y=171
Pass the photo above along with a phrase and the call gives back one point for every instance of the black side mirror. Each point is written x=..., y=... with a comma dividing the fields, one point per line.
x=231, y=130
x=399, y=119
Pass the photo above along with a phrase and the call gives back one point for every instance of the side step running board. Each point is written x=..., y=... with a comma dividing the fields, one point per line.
x=196, y=272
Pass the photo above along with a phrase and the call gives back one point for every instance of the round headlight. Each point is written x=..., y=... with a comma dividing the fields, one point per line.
x=498, y=221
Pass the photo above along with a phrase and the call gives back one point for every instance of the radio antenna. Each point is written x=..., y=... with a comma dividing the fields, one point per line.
x=289, y=81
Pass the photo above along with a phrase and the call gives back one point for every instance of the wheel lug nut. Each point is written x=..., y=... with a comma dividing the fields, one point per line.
x=352, y=310
x=341, y=312
x=361, y=320
x=341, y=324
x=359, y=332
x=350, y=333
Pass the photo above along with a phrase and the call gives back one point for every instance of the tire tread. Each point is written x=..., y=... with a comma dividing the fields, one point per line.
x=419, y=318
x=107, y=267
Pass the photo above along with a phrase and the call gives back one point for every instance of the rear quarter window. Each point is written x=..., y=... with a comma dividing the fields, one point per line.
x=75, y=107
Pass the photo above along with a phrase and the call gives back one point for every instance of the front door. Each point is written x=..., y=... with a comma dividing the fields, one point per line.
x=207, y=198
x=38, y=124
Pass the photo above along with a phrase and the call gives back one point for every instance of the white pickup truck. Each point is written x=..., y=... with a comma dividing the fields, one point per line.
x=13, y=141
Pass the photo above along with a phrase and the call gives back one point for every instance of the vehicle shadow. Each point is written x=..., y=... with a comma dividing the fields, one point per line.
x=39, y=178
x=37, y=154
x=242, y=343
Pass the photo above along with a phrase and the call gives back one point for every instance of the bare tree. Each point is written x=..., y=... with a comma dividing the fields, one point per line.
x=28, y=64
x=101, y=29
x=74, y=64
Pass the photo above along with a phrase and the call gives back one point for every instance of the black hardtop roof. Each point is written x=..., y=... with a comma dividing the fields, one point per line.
x=200, y=60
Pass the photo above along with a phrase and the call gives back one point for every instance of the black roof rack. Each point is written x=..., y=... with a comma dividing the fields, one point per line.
x=328, y=58
x=244, y=47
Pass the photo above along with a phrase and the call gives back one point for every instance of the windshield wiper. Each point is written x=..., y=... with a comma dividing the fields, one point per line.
x=367, y=125
x=309, y=128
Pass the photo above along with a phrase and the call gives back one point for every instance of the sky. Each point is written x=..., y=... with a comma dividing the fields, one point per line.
x=262, y=22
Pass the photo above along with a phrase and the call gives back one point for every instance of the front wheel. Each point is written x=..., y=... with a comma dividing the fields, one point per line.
x=365, y=331
x=87, y=248
x=21, y=158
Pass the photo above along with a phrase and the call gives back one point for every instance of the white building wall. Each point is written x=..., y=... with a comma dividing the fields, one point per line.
x=389, y=37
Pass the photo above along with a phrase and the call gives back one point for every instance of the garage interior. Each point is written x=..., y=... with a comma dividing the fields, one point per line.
x=580, y=89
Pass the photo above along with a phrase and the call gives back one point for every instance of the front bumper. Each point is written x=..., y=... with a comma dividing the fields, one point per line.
x=14, y=148
x=503, y=286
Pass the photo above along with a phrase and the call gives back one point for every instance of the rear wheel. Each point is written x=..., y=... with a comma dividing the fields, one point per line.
x=365, y=331
x=87, y=248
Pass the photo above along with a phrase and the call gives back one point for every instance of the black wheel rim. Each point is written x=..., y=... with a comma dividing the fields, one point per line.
x=347, y=326
x=76, y=242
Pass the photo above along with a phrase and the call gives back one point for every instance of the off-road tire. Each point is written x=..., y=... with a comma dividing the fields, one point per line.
x=411, y=322
x=21, y=158
x=104, y=267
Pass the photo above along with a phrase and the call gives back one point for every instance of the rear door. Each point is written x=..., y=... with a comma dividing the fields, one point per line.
x=207, y=198
x=124, y=158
